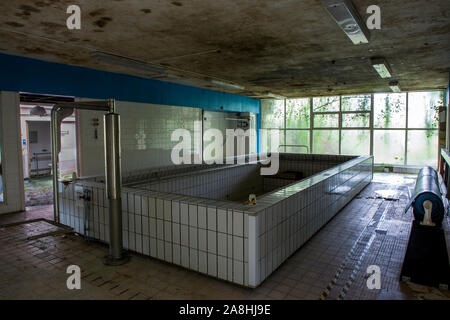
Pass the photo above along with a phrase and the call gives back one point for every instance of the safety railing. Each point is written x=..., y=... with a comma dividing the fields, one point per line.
x=444, y=168
x=282, y=146
x=45, y=157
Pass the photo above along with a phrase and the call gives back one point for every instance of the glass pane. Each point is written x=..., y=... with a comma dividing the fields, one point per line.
x=355, y=120
x=389, y=146
x=355, y=142
x=297, y=113
x=299, y=138
x=326, y=120
x=423, y=109
x=389, y=110
x=324, y=104
x=272, y=113
x=423, y=147
x=268, y=143
x=326, y=141
x=356, y=103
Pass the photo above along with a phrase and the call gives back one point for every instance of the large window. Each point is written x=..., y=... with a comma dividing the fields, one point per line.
x=356, y=103
x=355, y=142
x=326, y=104
x=273, y=111
x=389, y=146
x=422, y=133
x=325, y=125
x=355, y=115
x=389, y=110
x=397, y=128
x=297, y=113
x=326, y=141
x=389, y=115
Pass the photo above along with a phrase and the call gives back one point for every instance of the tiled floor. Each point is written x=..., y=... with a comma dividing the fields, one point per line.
x=371, y=230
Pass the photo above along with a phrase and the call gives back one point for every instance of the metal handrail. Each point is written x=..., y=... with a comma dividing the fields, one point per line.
x=36, y=159
x=445, y=155
x=294, y=145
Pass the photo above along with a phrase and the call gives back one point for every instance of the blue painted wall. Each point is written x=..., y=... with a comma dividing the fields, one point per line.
x=36, y=76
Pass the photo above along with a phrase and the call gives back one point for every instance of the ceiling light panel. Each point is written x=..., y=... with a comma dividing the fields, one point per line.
x=347, y=17
x=227, y=85
x=382, y=67
x=394, y=86
x=127, y=62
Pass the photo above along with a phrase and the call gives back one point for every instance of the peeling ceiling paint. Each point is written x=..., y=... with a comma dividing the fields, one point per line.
x=287, y=47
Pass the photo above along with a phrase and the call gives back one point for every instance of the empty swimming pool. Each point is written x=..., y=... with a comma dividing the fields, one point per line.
x=197, y=216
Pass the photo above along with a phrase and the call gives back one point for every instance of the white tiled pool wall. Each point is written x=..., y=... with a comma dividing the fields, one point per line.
x=236, y=182
x=93, y=223
x=310, y=164
x=190, y=232
x=219, y=238
x=193, y=233
x=307, y=164
x=142, y=175
x=226, y=183
x=286, y=225
x=270, y=183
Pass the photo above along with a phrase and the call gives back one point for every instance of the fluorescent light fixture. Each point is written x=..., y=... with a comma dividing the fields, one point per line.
x=348, y=19
x=228, y=85
x=382, y=67
x=127, y=62
x=394, y=86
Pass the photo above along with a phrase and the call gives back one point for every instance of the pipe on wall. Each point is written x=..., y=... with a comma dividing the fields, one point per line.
x=113, y=175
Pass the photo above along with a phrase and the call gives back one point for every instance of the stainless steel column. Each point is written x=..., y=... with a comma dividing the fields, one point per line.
x=113, y=177
x=55, y=153
x=56, y=117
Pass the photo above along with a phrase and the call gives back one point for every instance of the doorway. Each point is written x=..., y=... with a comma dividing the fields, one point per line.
x=36, y=147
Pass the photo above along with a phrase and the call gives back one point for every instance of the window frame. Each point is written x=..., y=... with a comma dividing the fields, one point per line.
x=372, y=129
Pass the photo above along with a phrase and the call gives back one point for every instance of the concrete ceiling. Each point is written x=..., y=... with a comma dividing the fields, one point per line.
x=288, y=47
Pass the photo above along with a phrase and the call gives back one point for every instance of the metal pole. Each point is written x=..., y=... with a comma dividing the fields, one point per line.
x=405, y=161
x=371, y=122
x=447, y=127
x=55, y=153
x=113, y=182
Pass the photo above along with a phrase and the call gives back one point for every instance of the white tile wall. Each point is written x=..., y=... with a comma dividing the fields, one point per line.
x=285, y=226
x=11, y=153
x=145, y=134
x=225, y=182
x=222, y=220
x=222, y=267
